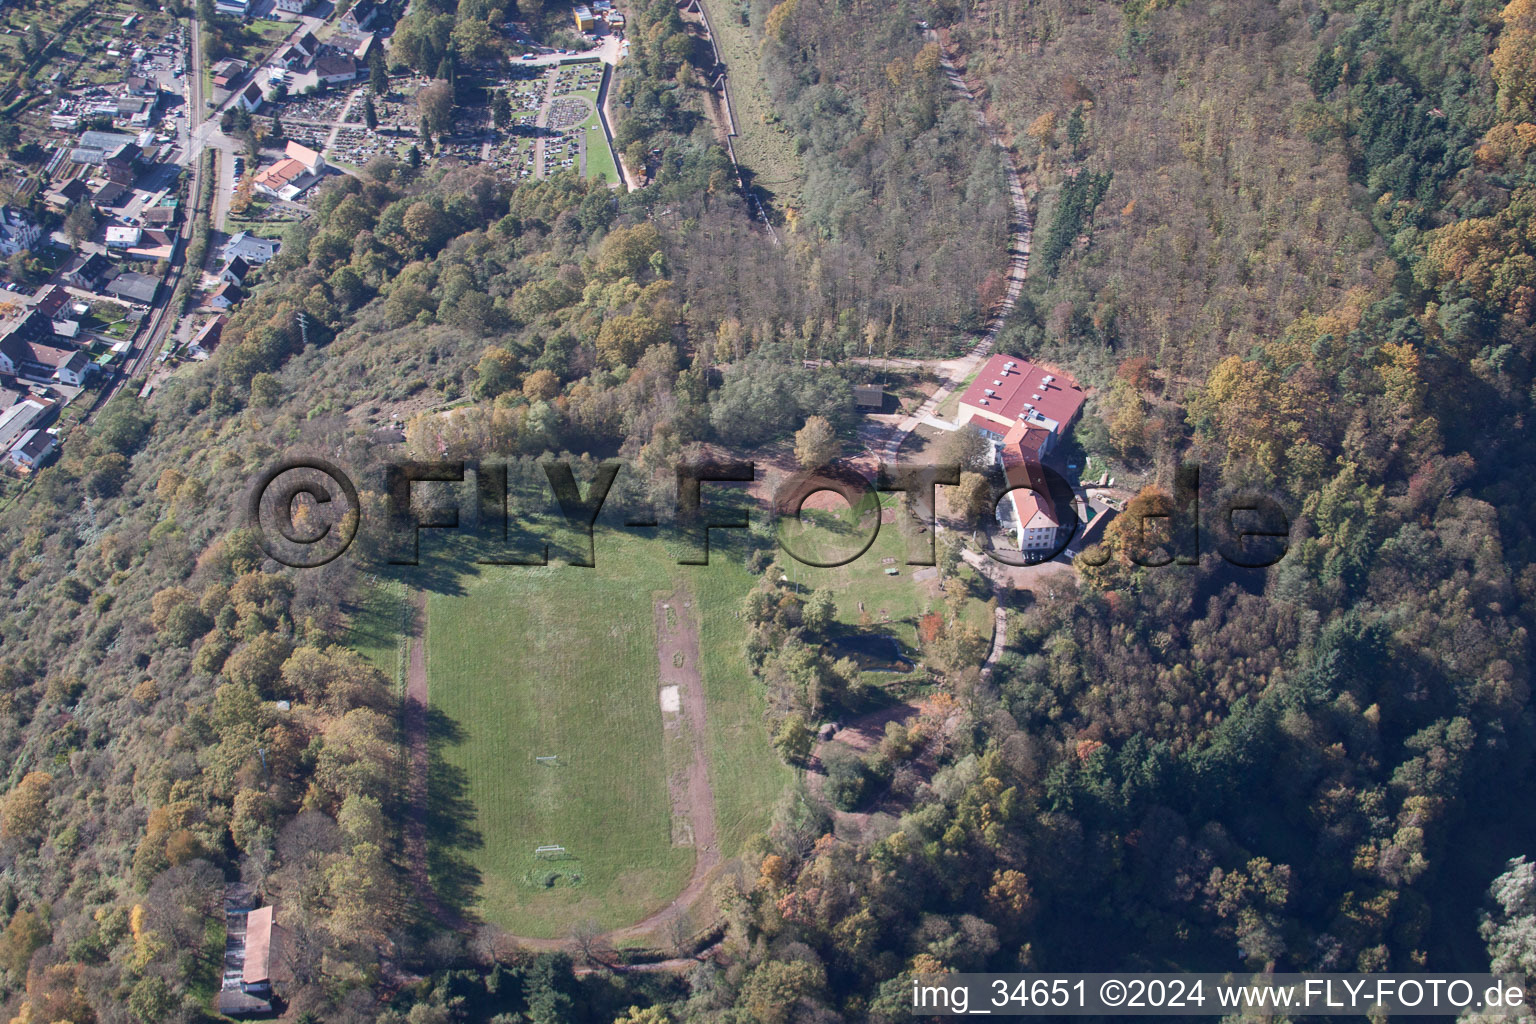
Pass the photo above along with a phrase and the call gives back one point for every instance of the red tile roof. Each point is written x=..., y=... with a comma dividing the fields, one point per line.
x=280, y=174
x=1022, y=388
x=258, y=947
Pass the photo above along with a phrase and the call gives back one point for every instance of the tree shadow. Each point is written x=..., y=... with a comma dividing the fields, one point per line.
x=449, y=818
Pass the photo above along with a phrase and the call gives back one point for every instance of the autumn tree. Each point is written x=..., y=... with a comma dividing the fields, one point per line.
x=1514, y=60
x=622, y=339
x=23, y=814
x=80, y=225
x=541, y=385
x=435, y=104
x=816, y=443
x=1043, y=129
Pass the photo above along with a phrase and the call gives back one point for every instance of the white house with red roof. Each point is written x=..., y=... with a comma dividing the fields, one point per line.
x=1025, y=410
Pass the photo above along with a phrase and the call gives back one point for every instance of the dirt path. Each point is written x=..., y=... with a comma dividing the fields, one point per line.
x=956, y=373
x=1021, y=233
x=542, y=121
x=693, y=800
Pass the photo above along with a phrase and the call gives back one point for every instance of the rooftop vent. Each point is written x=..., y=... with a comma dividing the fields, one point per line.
x=990, y=392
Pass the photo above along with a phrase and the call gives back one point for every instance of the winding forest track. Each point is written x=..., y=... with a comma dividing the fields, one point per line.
x=1021, y=229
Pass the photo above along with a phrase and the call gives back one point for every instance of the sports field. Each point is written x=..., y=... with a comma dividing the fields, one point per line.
x=561, y=662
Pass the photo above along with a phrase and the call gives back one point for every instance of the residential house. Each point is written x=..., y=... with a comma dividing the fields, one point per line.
x=24, y=353
x=226, y=297
x=359, y=18
x=131, y=286
x=142, y=85
x=50, y=300
x=235, y=272
x=227, y=72
x=33, y=449
x=18, y=232
x=207, y=337
x=309, y=44
x=294, y=6
x=869, y=397
x=254, y=249
x=86, y=271
x=364, y=50
x=159, y=216
x=32, y=325
x=109, y=193
x=63, y=197
x=250, y=99
x=1008, y=391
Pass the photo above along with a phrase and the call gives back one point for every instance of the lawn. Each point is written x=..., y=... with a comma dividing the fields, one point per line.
x=892, y=603
x=260, y=228
x=535, y=661
x=599, y=156
x=379, y=627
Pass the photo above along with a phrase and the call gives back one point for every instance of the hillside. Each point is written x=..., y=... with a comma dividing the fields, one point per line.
x=1290, y=244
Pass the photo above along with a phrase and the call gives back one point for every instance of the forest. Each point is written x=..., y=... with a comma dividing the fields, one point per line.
x=1291, y=242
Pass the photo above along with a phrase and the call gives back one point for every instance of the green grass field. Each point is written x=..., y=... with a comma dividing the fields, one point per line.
x=600, y=157
x=892, y=603
x=562, y=661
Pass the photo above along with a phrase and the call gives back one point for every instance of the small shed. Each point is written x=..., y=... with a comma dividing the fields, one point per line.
x=869, y=397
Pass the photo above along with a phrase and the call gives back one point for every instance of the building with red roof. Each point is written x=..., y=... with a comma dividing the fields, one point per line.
x=1009, y=393
x=1025, y=410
